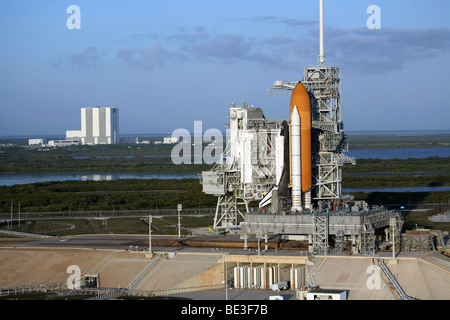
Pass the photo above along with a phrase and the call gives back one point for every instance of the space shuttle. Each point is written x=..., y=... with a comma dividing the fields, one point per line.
x=293, y=155
x=300, y=148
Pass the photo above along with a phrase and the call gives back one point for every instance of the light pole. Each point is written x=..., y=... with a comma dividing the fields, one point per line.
x=179, y=220
x=11, y=224
x=393, y=223
x=150, y=234
x=226, y=275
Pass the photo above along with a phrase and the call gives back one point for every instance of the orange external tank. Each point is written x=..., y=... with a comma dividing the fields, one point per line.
x=300, y=100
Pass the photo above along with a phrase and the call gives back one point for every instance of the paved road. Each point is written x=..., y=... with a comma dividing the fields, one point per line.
x=140, y=242
x=235, y=294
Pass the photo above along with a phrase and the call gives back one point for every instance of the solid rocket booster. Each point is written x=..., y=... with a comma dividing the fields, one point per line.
x=296, y=161
x=301, y=179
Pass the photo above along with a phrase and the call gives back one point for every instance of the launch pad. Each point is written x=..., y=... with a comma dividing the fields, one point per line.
x=326, y=232
x=294, y=170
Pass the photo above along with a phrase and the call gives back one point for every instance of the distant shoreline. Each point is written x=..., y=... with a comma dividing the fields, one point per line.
x=349, y=133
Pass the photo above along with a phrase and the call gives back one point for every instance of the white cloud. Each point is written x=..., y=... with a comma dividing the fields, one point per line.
x=87, y=59
x=146, y=59
x=379, y=51
x=360, y=51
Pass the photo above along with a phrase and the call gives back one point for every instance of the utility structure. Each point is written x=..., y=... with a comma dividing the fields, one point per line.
x=294, y=169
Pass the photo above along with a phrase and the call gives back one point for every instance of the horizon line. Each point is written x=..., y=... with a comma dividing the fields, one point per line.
x=161, y=134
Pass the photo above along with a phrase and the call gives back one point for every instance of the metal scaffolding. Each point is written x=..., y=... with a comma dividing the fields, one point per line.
x=227, y=212
x=339, y=242
x=247, y=170
x=320, y=234
x=328, y=138
x=367, y=240
x=328, y=141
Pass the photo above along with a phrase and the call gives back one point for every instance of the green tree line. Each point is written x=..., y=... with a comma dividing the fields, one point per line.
x=142, y=194
x=430, y=164
x=133, y=194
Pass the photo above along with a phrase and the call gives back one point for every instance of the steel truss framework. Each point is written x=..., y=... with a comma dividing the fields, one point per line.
x=320, y=234
x=328, y=139
x=420, y=242
x=227, y=212
x=247, y=169
x=379, y=219
x=375, y=219
x=359, y=227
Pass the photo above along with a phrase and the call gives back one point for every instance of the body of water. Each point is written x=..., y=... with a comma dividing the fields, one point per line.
x=9, y=179
x=397, y=132
x=358, y=154
x=418, y=153
x=402, y=189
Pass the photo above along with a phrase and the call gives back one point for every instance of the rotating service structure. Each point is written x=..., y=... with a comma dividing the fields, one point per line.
x=248, y=168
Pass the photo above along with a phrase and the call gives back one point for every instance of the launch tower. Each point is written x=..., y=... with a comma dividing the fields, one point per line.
x=294, y=169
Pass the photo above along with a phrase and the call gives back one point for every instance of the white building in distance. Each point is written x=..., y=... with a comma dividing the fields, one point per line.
x=63, y=143
x=99, y=125
x=170, y=140
x=39, y=142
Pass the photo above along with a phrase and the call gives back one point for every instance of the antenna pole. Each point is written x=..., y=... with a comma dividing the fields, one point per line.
x=321, y=55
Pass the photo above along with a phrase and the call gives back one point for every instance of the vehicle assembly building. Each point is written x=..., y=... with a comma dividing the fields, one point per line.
x=99, y=125
x=294, y=169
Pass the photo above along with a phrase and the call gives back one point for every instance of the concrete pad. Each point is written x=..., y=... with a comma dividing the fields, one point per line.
x=422, y=280
x=22, y=266
x=350, y=273
x=121, y=270
x=438, y=260
x=34, y=266
x=175, y=272
x=424, y=277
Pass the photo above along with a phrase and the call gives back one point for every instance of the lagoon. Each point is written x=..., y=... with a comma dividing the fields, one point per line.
x=401, y=189
x=417, y=153
x=9, y=179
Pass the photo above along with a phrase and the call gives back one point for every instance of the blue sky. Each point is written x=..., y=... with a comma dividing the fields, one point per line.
x=166, y=64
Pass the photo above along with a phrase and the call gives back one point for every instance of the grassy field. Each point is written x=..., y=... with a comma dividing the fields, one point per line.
x=142, y=194
x=160, y=226
x=420, y=218
x=122, y=157
x=54, y=227
x=168, y=225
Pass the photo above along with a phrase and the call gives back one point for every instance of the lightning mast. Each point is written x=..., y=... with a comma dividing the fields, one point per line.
x=321, y=55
